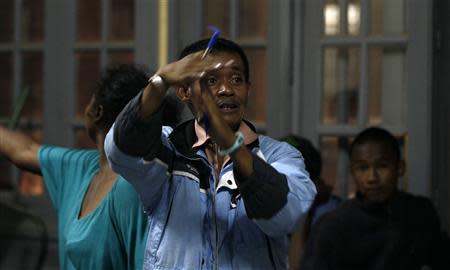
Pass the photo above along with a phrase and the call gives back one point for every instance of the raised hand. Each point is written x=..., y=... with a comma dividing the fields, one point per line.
x=187, y=70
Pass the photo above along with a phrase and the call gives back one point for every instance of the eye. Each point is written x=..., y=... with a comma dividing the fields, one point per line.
x=383, y=165
x=237, y=80
x=211, y=81
x=360, y=167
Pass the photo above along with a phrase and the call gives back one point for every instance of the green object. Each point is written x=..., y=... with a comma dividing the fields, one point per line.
x=18, y=108
x=113, y=235
x=237, y=143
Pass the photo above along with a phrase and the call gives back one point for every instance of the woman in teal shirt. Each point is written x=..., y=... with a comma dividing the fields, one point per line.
x=100, y=219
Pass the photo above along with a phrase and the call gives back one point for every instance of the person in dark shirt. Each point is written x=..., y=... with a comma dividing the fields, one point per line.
x=382, y=227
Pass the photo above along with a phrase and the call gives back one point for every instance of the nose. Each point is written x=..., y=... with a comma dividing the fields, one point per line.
x=225, y=90
x=372, y=175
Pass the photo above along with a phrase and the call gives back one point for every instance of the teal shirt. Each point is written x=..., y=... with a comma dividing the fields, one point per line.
x=112, y=236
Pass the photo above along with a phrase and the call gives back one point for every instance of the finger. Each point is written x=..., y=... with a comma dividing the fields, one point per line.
x=209, y=68
x=197, y=56
x=200, y=75
x=229, y=63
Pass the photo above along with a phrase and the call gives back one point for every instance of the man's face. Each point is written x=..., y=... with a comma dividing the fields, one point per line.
x=229, y=88
x=375, y=171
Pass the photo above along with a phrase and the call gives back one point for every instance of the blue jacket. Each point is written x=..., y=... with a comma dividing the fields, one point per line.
x=240, y=224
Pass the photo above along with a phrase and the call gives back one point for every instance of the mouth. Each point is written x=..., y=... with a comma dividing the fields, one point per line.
x=374, y=192
x=228, y=106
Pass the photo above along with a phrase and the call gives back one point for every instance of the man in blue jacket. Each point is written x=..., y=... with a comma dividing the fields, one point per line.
x=218, y=195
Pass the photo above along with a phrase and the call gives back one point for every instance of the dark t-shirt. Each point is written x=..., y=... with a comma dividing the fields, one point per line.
x=403, y=233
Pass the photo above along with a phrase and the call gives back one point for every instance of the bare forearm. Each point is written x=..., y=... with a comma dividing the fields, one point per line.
x=242, y=157
x=177, y=74
x=225, y=138
x=20, y=149
x=151, y=99
x=243, y=160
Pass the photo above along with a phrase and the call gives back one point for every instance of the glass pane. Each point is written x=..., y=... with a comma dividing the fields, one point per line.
x=340, y=85
x=331, y=17
x=253, y=19
x=6, y=75
x=6, y=20
x=335, y=166
x=82, y=139
x=88, y=20
x=33, y=20
x=88, y=72
x=32, y=75
x=387, y=17
x=387, y=87
x=257, y=103
x=217, y=13
x=121, y=20
x=353, y=17
x=31, y=184
x=121, y=57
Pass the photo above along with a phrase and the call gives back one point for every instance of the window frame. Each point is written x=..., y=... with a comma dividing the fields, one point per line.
x=295, y=80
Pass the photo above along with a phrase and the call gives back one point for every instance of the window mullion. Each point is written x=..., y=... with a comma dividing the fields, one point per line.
x=234, y=19
x=346, y=41
x=364, y=64
x=146, y=30
x=106, y=12
x=17, y=65
x=363, y=86
x=17, y=74
x=343, y=21
x=365, y=18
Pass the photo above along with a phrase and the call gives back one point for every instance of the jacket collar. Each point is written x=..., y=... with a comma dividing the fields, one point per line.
x=184, y=137
x=202, y=137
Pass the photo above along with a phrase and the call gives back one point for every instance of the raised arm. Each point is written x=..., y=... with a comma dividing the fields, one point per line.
x=180, y=73
x=137, y=137
x=20, y=149
x=138, y=128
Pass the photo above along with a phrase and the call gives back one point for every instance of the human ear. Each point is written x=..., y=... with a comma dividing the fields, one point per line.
x=183, y=93
x=98, y=113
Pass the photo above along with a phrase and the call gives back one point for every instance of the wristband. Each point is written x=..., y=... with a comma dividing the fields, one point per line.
x=237, y=143
x=157, y=82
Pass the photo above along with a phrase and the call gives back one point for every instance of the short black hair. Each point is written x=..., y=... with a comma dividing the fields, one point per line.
x=313, y=160
x=377, y=135
x=117, y=85
x=221, y=45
